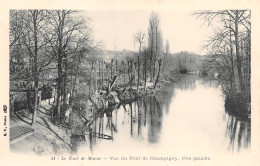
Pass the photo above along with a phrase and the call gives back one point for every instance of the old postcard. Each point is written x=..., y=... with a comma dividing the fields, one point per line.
x=130, y=83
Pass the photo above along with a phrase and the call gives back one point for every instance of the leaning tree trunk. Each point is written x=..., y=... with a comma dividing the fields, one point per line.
x=158, y=75
x=111, y=84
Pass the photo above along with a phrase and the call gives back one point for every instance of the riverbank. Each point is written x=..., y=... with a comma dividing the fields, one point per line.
x=236, y=103
x=56, y=138
x=51, y=139
x=115, y=93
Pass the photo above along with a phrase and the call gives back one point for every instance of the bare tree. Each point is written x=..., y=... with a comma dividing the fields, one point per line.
x=34, y=42
x=229, y=54
x=17, y=23
x=66, y=28
x=234, y=22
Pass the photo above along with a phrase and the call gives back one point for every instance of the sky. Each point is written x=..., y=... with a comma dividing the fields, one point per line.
x=116, y=29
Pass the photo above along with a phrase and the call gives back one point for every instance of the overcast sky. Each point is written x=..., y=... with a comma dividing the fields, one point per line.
x=183, y=31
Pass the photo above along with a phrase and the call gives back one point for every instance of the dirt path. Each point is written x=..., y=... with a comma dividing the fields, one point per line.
x=44, y=141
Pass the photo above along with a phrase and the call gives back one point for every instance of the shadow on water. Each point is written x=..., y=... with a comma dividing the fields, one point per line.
x=142, y=119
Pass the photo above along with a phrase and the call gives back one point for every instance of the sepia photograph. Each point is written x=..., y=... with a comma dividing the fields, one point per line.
x=159, y=87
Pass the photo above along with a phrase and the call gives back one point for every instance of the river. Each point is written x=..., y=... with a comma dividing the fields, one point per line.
x=186, y=117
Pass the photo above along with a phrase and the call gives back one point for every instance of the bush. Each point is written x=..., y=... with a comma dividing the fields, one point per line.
x=46, y=92
x=237, y=106
x=183, y=71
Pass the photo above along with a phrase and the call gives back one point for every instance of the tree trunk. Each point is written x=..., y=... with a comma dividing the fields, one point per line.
x=154, y=68
x=117, y=73
x=59, y=79
x=249, y=66
x=99, y=73
x=138, y=74
x=65, y=82
x=131, y=65
x=124, y=74
x=135, y=72
x=102, y=73
x=28, y=93
x=238, y=58
x=90, y=81
x=95, y=77
x=232, y=62
x=35, y=67
x=73, y=82
x=111, y=69
x=151, y=72
x=60, y=54
x=145, y=78
x=128, y=69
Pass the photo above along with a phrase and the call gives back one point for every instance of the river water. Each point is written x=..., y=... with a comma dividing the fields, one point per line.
x=186, y=117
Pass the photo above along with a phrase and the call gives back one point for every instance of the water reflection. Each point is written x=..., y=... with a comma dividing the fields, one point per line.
x=191, y=108
x=187, y=84
x=238, y=132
